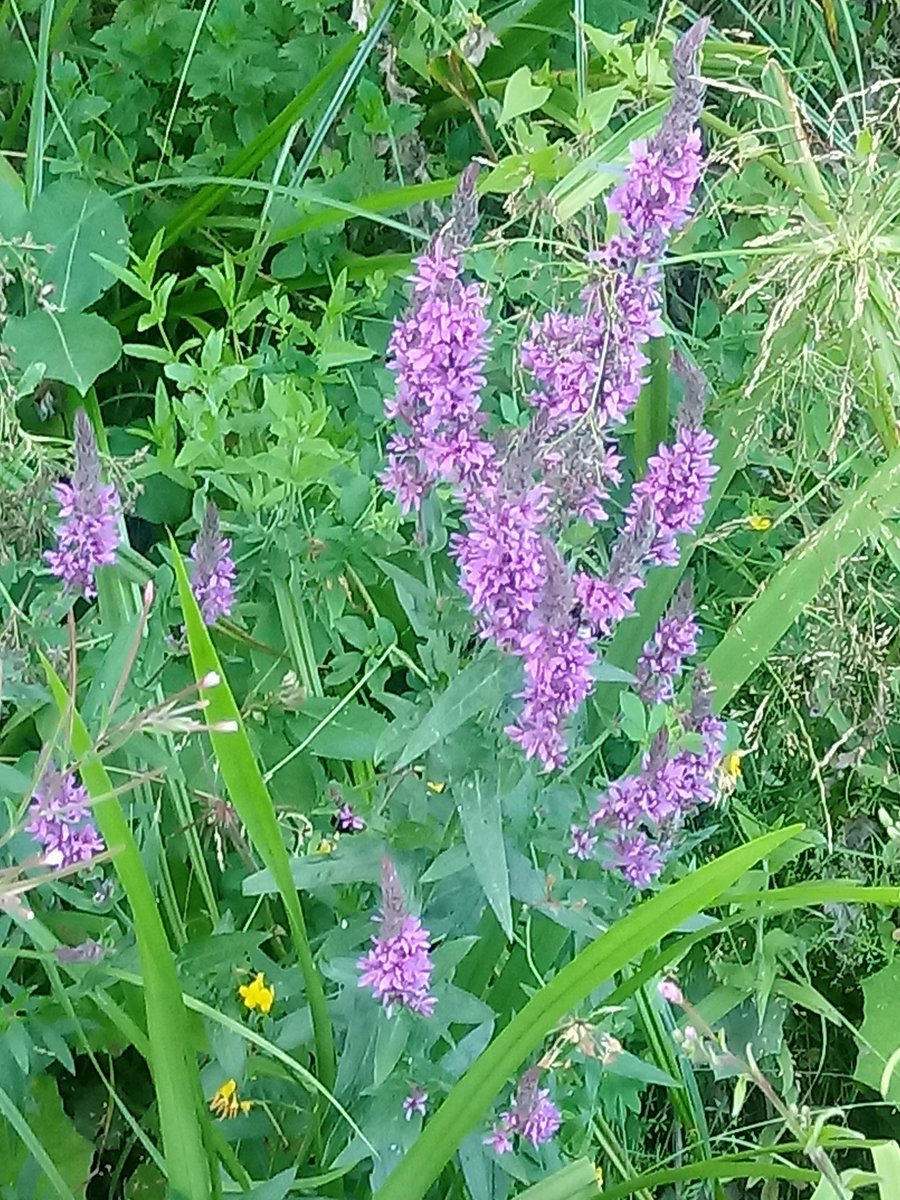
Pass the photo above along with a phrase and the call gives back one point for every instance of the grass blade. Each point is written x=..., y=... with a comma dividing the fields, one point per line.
x=254, y=805
x=576, y=1181
x=172, y=1061
x=191, y=214
x=627, y=939
x=797, y=583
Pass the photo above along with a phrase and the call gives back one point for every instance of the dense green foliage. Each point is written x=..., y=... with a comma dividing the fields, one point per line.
x=207, y=217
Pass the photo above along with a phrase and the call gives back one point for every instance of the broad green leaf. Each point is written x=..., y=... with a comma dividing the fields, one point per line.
x=479, y=811
x=255, y=807
x=878, y=1060
x=77, y=221
x=522, y=96
x=75, y=348
x=350, y=735
x=796, y=584
x=69, y=1154
x=628, y=939
x=171, y=1054
x=479, y=687
x=886, y=1159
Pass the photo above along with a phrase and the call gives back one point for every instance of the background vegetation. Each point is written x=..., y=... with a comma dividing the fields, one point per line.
x=207, y=214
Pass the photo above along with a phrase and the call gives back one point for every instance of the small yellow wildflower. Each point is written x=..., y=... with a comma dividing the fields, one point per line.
x=598, y=1174
x=732, y=764
x=257, y=995
x=226, y=1103
x=759, y=523
x=324, y=847
x=436, y=788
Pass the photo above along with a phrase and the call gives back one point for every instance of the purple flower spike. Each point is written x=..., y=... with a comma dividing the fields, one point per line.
x=679, y=477
x=397, y=969
x=61, y=821
x=662, y=659
x=438, y=352
x=213, y=574
x=534, y=1116
x=88, y=534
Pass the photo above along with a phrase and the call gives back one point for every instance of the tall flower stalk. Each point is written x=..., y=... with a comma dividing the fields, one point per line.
x=522, y=489
x=87, y=536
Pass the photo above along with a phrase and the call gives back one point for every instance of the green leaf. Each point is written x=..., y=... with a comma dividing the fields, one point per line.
x=878, y=1060
x=886, y=1160
x=350, y=735
x=576, y=1181
x=77, y=221
x=522, y=96
x=479, y=811
x=75, y=348
x=255, y=807
x=799, y=581
x=629, y=938
x=63, y=1155
x=480, y=686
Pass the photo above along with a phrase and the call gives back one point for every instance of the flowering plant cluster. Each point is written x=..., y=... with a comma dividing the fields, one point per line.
x=520, y=491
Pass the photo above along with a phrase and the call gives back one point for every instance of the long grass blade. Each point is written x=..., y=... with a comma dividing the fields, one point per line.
x=627, y=939
x=256, y=809
x=796, y=584
x=172, y=1061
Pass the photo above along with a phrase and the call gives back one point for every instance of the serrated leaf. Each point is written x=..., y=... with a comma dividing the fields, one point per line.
x=479, y=810
x=77, y=221
x=522, y=96
x=76, y=348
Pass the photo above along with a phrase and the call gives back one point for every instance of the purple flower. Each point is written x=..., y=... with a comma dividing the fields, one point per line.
x=534, y=1116
x=503, y=562
x=669, y=990
x=500, y=1137
x=398, y=967
x=583, y=843
x=654, y=199
x=414, y=1103
x=639, y=859
x=60, y=820
x=662, y=659
x=213, y=573
x=438, y=353
x=677, y=487
x=541, y=1121
x=558, y=679
x=88, y=534
x=346, y=820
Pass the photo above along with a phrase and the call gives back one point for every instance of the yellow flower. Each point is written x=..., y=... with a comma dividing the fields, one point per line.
x=324, y=847
x=226, y=1103
x=758, y=523
x=257, y=995
x=732, y=764
x=437, y=788
x=598, y=1174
